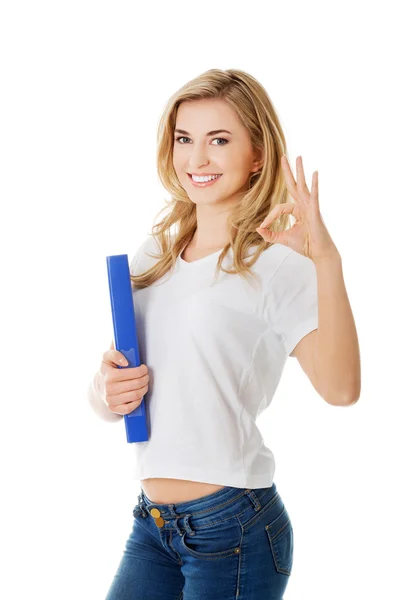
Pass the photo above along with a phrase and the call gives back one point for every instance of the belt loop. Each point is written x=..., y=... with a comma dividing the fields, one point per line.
x=186, y=525
x=253, y=497
x=142, y=505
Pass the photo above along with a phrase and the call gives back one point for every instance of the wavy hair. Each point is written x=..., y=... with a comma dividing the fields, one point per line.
x=266, y=187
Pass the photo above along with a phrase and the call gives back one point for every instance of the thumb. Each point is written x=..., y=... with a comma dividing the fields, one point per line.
x=271, y=236
x=265, y=233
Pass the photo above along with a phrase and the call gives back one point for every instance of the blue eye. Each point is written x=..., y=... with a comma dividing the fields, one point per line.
x=186, y=138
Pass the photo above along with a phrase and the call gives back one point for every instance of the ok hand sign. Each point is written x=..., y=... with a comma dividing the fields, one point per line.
x=309, y=235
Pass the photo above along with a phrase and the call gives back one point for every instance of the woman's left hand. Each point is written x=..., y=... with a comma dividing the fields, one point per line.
x=309, y=235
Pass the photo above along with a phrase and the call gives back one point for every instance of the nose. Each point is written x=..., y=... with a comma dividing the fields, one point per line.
x=198, y=159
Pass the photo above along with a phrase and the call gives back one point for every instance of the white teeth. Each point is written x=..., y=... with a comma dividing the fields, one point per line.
x=203, y=179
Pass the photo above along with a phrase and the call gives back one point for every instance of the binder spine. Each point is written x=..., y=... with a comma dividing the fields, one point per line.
x=125, y=336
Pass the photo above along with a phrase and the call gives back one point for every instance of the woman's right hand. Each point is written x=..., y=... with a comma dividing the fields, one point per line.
x=124, y=388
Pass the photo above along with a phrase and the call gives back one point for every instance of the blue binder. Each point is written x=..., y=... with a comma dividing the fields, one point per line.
x=125, y=336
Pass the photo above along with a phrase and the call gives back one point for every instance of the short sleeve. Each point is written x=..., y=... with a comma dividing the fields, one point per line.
x=134, y=261
x=292, y=299
x=148, y=245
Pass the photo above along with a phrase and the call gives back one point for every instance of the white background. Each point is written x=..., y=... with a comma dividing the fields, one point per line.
x=82, y=87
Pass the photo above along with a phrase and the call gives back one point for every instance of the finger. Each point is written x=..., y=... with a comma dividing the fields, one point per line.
x=128, y=385
x=121, y=374
x=125, y=409
x=301, y=180
x=121, y=399
x=114, y=357
x=289, y=179
x=274, y=237
x=284, y=208
x=314, y=191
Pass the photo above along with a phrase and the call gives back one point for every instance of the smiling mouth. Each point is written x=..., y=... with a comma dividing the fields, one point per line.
x=204, y=184
x=215, y=175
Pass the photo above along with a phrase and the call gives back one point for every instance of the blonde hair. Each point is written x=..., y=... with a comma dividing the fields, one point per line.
x=267, y=186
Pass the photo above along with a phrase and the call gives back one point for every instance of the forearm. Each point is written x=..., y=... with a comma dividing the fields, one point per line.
x=336, y=352
x=96, y=397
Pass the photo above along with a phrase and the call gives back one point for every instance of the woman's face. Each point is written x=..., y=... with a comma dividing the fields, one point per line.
x=227, y=154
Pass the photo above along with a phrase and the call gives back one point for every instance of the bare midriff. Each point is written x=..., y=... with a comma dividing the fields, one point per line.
x=166, y=491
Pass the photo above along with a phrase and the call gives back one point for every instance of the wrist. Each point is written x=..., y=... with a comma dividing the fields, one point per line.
x=332, y=257
x=97, y=399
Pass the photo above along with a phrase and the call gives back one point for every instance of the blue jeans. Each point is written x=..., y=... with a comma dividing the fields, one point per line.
x=234, y=544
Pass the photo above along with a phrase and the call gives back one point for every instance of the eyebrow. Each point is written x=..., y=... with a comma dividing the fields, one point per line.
x=214, y=132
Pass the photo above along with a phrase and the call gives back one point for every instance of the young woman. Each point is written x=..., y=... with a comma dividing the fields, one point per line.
x=225, y=289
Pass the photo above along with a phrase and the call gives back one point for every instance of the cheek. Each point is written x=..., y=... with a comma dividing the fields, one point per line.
x=179, y=165
x=235, y=162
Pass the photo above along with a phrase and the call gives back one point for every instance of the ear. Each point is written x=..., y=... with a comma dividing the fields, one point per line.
x=258, y=160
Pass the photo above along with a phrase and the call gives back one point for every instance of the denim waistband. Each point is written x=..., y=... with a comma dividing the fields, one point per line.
x=205, y=504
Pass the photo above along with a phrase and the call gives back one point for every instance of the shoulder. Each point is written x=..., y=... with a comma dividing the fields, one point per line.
x=150, y=245
x=270, y=261
x=142, y=257
x=281, y=267
x=294, y=260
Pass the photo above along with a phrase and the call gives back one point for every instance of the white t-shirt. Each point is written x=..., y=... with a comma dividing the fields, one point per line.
x=215, y=355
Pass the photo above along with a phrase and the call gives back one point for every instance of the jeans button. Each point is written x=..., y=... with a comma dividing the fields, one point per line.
x=159, y=522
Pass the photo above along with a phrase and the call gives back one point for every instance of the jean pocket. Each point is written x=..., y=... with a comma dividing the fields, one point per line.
x=217, y=540
x=280, y=536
